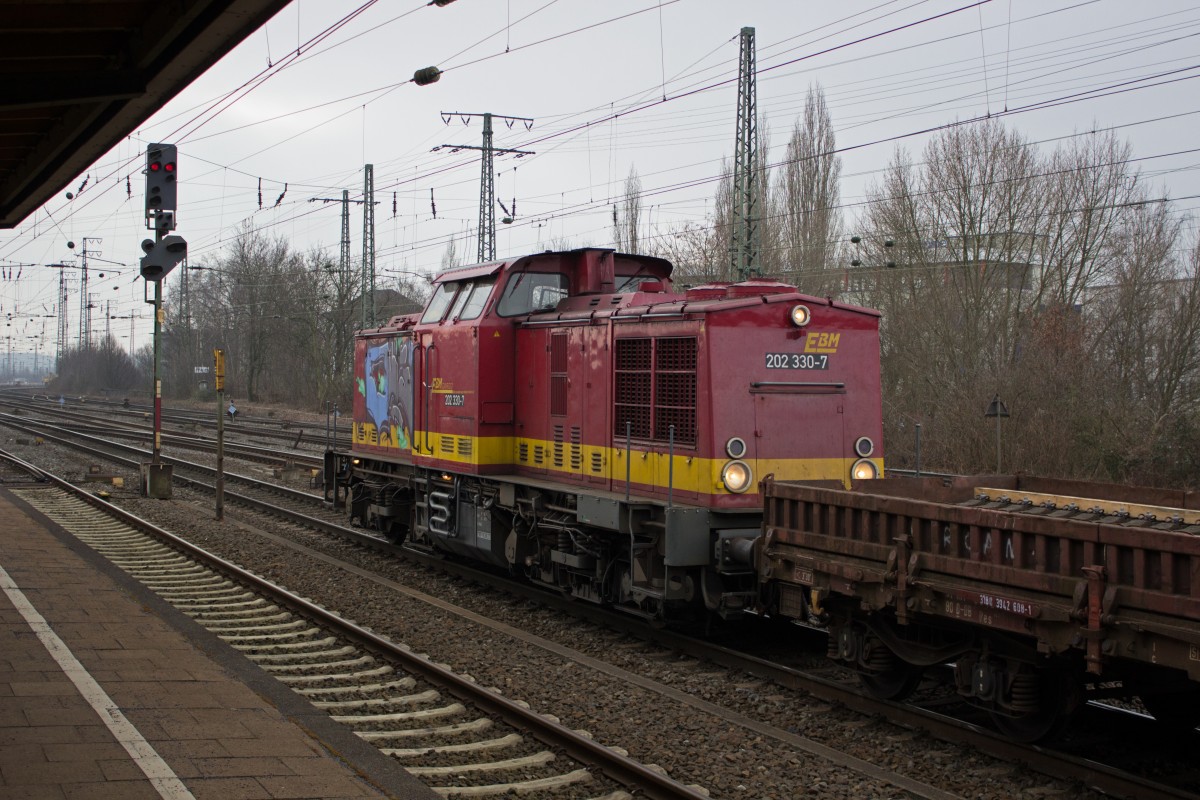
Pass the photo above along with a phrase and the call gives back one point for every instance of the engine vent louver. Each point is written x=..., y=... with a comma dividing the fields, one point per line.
x=558, y=375
x=576, y=449
x=523, y=453
x=558, y=445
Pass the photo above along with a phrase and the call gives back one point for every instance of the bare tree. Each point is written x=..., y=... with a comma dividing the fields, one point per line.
x=627, y=217
x=700, y=250
x=980, y=258
x=258, y=273
x=1088, y=187
x=450, y=257
x=806, y=200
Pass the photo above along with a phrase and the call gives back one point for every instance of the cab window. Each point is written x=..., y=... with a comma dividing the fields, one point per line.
x=529, y=292
x=632, y=283
x=459, y=302
x=472, y=304
x=439, y=302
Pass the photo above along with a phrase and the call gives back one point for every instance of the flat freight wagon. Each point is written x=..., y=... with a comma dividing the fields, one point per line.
x=1039, y=592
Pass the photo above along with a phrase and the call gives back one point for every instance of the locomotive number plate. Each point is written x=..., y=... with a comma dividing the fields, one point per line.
x=797, y=361
x=455, y=400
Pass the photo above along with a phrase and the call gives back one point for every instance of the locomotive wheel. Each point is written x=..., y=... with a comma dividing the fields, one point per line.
x=392, y=530
x=896, y=683
x=1058, y=697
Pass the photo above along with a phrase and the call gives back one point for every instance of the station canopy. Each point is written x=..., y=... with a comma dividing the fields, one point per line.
x=78, y=76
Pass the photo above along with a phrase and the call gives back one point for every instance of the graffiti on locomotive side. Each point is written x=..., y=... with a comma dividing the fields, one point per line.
x=386, y=387
x=367, y=433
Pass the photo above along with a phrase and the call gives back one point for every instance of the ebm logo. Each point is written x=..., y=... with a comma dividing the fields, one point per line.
x=822, y=342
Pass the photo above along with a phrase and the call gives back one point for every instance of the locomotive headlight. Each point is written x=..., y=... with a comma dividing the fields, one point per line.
x=355, y=461
x=801, y=316
x=864, y=446
x=735, y=447
x=737, y=476
x=864, y=470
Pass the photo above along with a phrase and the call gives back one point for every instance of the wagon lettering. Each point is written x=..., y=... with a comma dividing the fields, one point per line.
x=802, y=575
x=1009, y=554
x=967, y=611
x=1007, y=605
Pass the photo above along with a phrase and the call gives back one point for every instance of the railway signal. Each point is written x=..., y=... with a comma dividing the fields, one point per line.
x=161, y=179
x=162, y=256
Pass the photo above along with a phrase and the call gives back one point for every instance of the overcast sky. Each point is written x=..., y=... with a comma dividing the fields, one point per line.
x=324, y=88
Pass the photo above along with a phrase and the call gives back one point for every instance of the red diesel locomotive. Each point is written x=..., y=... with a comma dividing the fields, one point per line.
x=570, y=417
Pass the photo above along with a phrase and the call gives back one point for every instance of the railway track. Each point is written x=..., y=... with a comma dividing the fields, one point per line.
x=1079, y=767
x=132, y=425
x=287, y=430
x=464, y=739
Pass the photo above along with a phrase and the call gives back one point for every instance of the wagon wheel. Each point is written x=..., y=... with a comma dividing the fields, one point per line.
x=887, y=676
x=1057, y=696
x=895, y=683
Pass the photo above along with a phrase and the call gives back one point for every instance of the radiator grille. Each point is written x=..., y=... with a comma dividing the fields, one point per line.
x=655, y=388
x=632, y=359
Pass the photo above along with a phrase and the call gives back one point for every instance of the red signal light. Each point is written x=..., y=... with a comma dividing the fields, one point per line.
x=155, y=166
x=169, y=166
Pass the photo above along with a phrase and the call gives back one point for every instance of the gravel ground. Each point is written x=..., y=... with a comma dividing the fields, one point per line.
x=692, y=746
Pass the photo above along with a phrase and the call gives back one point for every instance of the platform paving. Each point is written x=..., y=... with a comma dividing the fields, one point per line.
x=126, y=673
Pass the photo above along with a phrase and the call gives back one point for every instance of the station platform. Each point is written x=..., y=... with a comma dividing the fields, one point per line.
x=106, y=691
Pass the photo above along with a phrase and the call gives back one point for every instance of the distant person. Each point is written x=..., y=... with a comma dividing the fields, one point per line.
x=232, y=411
x=125, y=403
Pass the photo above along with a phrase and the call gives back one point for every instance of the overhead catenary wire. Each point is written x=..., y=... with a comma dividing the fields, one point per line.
x=283, y=218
